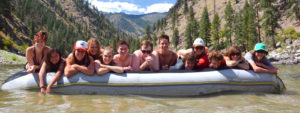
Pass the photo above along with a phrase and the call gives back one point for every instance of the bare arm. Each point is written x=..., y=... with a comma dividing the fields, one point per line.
x=56, y=77
x=116, y=69
x=69, y=69
x=230, y=63
x=261, y=70
x=100, y=70
x=42, y=74
x=135, y=62
x=244, y=64
x=155, y=66
x=86, y=70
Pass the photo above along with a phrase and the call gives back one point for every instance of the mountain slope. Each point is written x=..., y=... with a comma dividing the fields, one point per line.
x=65, y=21
x=285, y=20
x=133, y=25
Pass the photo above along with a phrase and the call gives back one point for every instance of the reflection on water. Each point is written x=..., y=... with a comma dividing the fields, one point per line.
x=28, y=101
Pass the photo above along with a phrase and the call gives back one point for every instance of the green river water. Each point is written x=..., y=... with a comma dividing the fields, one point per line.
x=29, y=101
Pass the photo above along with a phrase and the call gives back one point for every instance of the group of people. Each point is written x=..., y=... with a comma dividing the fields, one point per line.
x=89, y=58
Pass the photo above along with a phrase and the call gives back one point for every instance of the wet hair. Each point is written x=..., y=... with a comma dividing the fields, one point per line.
x=189, y=57
x=123, y=42
x=215, y=56
x=85, y=61
x=147, y=43
x=231, y=50
x=49, y=65
x=163, y=36
x=89, y=44
x=109, y=48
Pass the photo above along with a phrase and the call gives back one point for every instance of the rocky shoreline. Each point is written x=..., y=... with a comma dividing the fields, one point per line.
x=8, y=58
x=290, y=54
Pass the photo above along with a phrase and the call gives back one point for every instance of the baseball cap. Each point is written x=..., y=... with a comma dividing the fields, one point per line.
x=198, y=42
x=80, y=44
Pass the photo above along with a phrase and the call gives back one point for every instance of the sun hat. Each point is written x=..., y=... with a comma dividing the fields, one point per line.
x=80, y=44
x=198, y=42
x=260, y=46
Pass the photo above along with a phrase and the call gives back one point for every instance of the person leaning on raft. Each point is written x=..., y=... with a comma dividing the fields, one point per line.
x=234, y=59
x=258, y=60
x=200, y=53
x=146, y=59
x=94, y=48
x=216, y=60
x=36, y=53
x=167, y=57
x=188, y=63
x=124, y=59
x=106, y=64
x=53, y=63
x=79, y=61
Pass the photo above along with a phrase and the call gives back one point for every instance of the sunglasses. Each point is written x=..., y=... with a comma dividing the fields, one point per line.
x=261, y=51
x=199, y=47
x=235, y=54
x=146, y=51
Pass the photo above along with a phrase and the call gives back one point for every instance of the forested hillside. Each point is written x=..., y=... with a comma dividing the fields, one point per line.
x=65, y=21
x=133, y=25
x=222, y=23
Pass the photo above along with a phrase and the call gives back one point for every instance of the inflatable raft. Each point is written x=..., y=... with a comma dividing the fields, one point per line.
x=179, y=83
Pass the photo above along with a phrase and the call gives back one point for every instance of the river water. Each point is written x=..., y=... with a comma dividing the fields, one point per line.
x=29, y=101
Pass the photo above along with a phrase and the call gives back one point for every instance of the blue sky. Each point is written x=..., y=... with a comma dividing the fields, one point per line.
x=133, y=6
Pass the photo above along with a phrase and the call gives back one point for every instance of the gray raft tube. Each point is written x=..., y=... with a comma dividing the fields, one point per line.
x=163, y=83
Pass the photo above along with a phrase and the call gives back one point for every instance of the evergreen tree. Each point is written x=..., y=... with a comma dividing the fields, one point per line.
x=205, y=27
x=238, y=40
x=174, y=18
x=270, y=21
x=147, y=35
x=215, y=30
x=188, y=37
x=154, y=39
x=229, y=17
x=185, y=8
x=252, y=27
x=191, y=14
x=175, y=38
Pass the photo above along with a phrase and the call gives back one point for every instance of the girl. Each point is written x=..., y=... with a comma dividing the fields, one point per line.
x=106, y=64
x=35, y=54
x=234, y=59
x=94, y=48
x=53, y=63
x=79, y=61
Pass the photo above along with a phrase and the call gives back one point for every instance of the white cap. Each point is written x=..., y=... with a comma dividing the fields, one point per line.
x=80, y=44
x=198, y=41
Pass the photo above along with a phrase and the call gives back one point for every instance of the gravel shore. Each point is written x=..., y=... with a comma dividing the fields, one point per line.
x=7, y=58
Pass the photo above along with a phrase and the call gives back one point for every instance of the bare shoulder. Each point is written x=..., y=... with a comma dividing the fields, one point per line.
x=29, y=49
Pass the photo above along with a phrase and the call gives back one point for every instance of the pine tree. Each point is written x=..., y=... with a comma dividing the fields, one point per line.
x=175, y=38
x=270, y=21
x=185, y=8
x=147, y=30
x=229, y=17
x=205, y=27
x=191, y=14
x=238, y=29
x=188, y=37
x=252, y=27
x=215, y=30
x=174, y=18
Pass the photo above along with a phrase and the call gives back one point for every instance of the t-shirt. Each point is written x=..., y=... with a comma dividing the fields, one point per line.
x=250, y=59
x=203, y=62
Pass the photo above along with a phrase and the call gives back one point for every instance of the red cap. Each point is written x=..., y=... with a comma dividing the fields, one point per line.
x=80, y=44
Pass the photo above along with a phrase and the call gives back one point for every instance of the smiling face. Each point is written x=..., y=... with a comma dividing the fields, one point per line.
x=54, y=59
x=146, y=51
x=123, y=50
x=260, y=55
x=39, y=44
x=164, y=44
x=215, y=64
x=79, y=54
x=94, y=49
x=198, y=50
x=235, y=56
x=107, y=57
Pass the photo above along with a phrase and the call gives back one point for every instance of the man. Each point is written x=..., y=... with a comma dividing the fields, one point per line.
x=167, y=57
